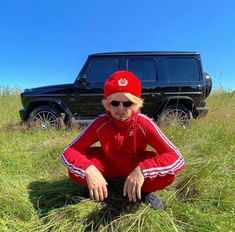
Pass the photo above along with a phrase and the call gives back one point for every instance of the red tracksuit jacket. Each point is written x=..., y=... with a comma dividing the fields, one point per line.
x=122, y=142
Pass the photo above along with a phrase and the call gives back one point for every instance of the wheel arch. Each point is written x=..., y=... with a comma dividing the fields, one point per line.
x=180, y=100
x=57, y=103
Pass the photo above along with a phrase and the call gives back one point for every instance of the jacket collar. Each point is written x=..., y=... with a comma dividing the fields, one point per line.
x=123, y=124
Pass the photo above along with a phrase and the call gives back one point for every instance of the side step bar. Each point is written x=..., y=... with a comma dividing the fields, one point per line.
x=81, y=121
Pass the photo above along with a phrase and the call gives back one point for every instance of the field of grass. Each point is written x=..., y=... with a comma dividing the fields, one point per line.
x=36, y=194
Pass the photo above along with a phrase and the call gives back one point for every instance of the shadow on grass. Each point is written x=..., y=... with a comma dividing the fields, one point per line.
x=110, y=215
x=46, y=196
x=187, y=189
x=115, y=206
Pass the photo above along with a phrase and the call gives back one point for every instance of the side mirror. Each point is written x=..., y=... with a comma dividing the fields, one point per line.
x=82, y=80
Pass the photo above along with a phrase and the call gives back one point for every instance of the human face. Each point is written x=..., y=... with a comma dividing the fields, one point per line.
x=120, y=112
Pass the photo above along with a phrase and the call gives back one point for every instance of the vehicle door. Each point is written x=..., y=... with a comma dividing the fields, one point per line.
x=146, y=69
x=183, y=77
x=91, y=93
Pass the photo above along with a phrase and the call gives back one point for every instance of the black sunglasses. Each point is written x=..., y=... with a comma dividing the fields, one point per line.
x=125, y=103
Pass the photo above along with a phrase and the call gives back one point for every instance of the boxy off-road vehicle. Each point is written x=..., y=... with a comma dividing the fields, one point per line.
x=174, y=89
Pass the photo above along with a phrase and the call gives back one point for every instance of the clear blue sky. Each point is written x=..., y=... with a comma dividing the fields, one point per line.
x=44, y=42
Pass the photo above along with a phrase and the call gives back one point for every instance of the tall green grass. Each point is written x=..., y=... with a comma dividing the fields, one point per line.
x=36, y=195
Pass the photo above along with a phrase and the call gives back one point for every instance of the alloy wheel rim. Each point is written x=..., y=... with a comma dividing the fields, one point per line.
x=45, y=120
x=175, y=117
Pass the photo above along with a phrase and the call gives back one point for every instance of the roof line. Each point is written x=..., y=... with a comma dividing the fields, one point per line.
x=147, y=53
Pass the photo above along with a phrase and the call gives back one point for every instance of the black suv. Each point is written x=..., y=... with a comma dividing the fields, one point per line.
x=174, y=89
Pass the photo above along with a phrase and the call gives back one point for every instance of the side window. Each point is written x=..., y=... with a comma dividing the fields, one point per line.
x=100, y=69
x=182, y=69
x=144, y=69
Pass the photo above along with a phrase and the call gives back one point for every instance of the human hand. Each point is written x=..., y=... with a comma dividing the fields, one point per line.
x=96, y=183
x=133, y=184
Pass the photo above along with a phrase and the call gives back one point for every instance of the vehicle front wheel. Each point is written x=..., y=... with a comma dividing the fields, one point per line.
x=45, y=117
x=175, y=115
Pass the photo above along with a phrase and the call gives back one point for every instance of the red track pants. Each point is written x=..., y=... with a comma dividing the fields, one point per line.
x=110, y=170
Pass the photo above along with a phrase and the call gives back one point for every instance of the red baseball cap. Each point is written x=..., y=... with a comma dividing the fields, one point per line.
x=122, y=81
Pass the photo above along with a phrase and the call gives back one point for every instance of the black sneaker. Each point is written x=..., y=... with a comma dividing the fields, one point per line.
x=154, y=201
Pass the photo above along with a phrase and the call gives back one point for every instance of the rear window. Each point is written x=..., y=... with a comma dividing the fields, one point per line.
x=100, y=69
x=182, y=69
x=144, y=69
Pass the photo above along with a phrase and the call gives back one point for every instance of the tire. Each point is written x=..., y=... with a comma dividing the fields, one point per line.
x=175, y=115
x=45, y=117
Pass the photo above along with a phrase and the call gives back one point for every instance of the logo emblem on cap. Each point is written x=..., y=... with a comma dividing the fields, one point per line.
x=122, y=82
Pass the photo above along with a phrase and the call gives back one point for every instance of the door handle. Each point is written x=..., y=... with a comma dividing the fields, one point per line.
x=155, y=94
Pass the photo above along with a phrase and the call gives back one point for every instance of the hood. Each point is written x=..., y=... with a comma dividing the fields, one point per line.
x=50, y=89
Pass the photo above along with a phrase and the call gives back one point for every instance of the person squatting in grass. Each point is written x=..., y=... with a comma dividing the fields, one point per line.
x=123, y=133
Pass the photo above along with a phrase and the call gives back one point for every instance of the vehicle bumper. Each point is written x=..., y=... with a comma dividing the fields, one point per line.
x=23, y=114
x=201, y=112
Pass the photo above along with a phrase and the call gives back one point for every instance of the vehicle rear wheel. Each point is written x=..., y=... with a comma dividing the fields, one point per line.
x=45, y=117
x=175, y=115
